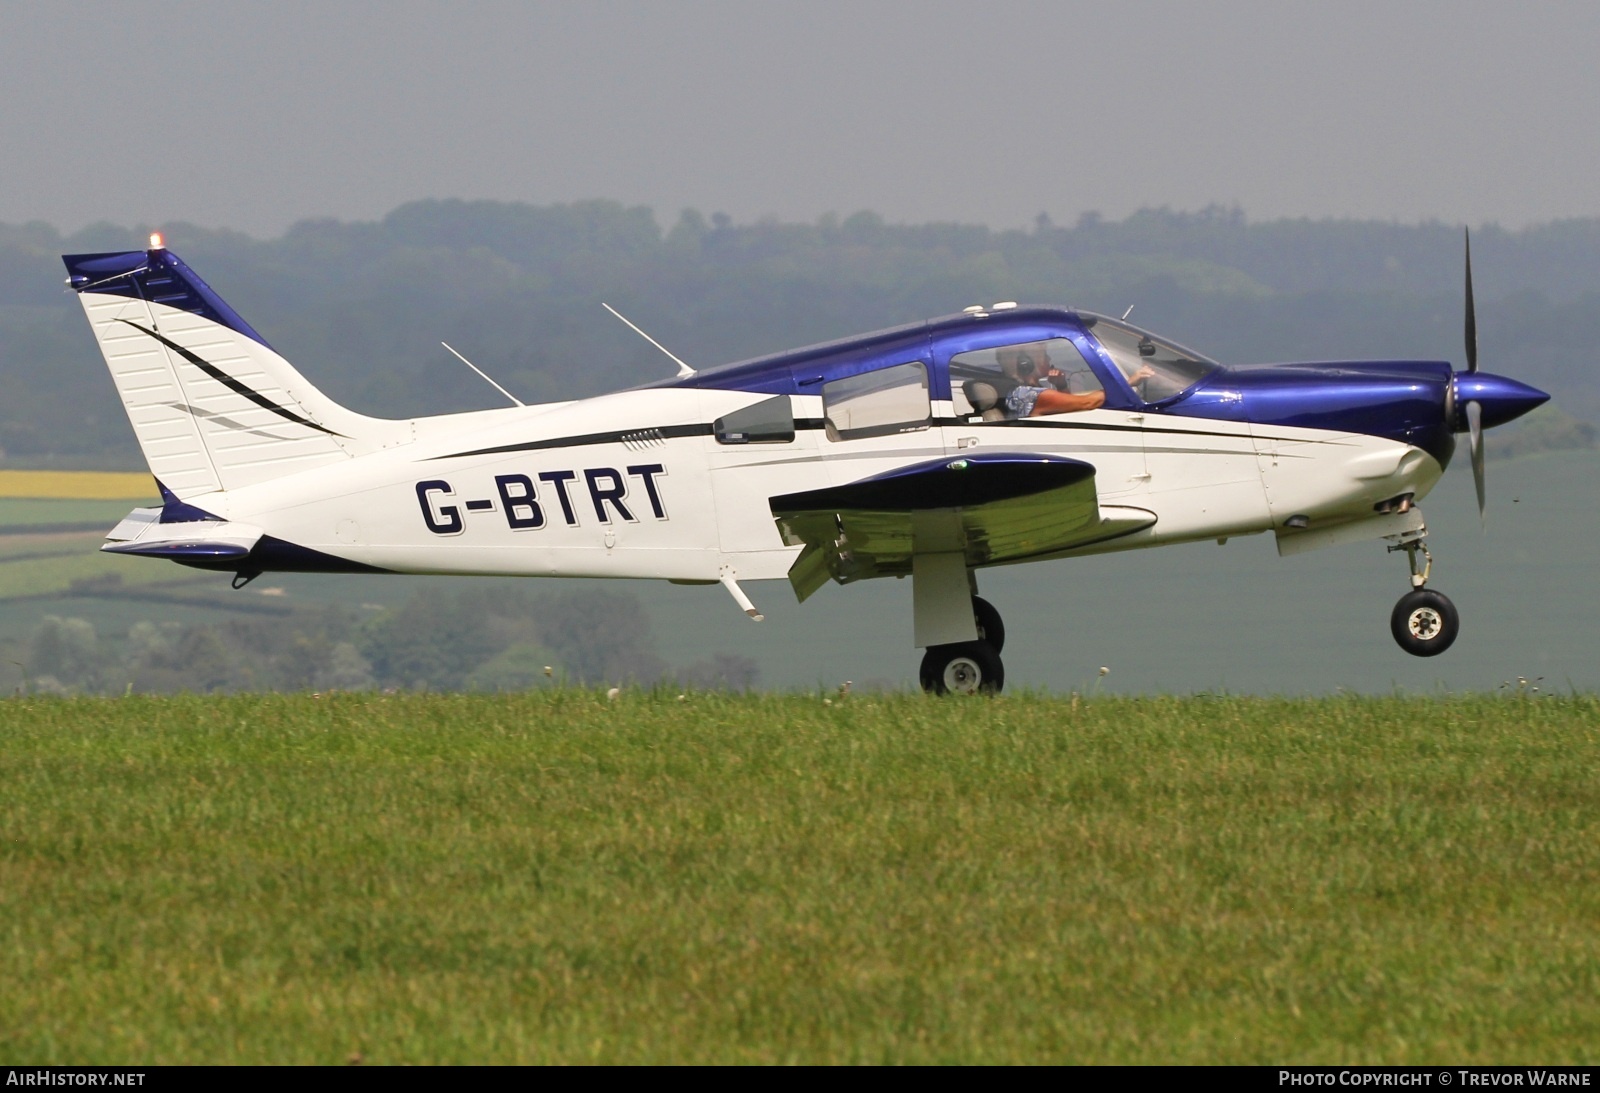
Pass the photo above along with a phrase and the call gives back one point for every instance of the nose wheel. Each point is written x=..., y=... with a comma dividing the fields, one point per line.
x=1424, y=623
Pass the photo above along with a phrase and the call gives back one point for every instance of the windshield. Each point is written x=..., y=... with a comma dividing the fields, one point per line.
x=1154, y=367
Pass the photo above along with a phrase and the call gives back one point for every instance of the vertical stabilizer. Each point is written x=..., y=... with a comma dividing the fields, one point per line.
x=213, y=406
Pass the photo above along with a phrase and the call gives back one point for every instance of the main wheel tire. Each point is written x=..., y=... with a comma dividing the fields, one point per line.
x=1424, y=622
x=965, y=667
x=990, y=626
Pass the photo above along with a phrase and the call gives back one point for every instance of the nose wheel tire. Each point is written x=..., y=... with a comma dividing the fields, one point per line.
x=967, y=667
x=1424, y=622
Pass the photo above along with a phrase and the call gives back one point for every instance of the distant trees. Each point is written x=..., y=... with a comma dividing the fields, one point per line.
x=1547, y=429
x=723, y=672
x=64, y=652
x=480, y=638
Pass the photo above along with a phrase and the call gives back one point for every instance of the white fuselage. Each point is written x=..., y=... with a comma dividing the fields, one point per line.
x=568, y=495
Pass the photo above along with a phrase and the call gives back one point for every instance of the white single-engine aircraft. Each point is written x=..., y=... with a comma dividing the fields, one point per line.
x=999, y=435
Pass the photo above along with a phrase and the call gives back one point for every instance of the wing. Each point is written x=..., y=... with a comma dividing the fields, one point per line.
x=995, y=508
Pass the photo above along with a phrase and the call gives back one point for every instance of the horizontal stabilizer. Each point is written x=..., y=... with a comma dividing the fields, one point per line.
x=142, y=532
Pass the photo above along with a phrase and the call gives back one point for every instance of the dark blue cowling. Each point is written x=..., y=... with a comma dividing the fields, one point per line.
x=1399, y=400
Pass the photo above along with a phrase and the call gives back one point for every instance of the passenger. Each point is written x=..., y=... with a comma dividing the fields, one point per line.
x=1036, y=393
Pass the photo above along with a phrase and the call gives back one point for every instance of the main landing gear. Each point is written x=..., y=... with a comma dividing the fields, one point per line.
x=968, y=667
x=1424, y=622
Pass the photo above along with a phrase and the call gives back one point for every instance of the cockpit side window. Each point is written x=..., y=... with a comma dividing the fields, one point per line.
x=878, y=403
x=1005, y=382
x=1155, y=368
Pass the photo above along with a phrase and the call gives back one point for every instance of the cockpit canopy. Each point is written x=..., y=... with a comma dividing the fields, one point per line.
x=1101, y=360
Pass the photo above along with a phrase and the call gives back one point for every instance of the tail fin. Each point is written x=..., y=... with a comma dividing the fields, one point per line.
x=213, y=406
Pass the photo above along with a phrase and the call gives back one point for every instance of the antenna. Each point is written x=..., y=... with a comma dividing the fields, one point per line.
x=1128, y=312
x=683, y=369
x=485, y=375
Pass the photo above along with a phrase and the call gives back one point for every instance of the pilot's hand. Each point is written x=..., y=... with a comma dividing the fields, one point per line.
x=1057, y=379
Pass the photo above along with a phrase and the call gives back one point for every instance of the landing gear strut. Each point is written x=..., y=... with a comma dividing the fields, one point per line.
x=1424, y=622
x=990, y=627
x=968, y=667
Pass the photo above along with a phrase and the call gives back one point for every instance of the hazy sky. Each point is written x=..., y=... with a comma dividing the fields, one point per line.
x=253, y=116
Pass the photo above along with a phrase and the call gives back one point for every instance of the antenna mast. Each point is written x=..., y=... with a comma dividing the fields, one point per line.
x=683, y=369
x=485, y=375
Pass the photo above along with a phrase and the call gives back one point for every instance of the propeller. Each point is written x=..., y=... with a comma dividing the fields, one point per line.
x=1483, y=401
x=1475, y=434
x=1474, y=411
x=1472, y=314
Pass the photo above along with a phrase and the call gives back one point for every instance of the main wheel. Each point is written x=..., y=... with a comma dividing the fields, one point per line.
x=963, y=668
x=990, y=628
x=1424, y=622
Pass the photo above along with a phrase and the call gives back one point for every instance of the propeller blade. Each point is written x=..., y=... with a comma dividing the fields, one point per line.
x=1475, y=424
x=1472, y=313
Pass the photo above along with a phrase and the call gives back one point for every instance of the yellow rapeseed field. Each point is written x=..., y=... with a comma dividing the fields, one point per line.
x=78, y=485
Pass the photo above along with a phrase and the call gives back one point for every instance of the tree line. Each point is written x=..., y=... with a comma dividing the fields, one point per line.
x=495, y=638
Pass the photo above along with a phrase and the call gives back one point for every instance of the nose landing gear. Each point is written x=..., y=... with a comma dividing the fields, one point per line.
x=1424, y=622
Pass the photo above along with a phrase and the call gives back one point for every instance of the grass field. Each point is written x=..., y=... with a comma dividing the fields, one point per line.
x=19, y=515
x=52, y=524
x=559, y=878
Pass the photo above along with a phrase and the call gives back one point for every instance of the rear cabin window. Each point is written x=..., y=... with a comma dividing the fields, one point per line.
x=770, y=421
x=878, y=403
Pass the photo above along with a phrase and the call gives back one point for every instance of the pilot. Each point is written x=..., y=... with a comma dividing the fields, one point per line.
x=1039, y=385
x=1136, y=376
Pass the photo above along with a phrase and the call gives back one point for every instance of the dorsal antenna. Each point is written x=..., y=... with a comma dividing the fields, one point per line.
x=683, y=369
x=1126, y=313
x=484, y=374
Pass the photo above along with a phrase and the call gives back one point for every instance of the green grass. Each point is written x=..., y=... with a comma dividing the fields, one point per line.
x=20, y=513
x=559, y=878
x=34, y=544
x=39, y=576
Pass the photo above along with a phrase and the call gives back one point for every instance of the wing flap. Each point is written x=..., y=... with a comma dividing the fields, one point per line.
x=994, y=508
